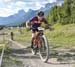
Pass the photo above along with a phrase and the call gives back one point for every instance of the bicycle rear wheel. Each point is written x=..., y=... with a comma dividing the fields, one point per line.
x=44, y=49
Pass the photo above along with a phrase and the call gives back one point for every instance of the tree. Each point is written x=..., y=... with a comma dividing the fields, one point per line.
x=64, y=14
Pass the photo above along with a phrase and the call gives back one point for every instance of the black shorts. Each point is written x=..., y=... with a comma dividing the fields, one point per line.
x=34, y=30
x=35, y=27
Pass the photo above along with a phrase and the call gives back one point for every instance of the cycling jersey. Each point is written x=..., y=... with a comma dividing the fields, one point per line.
x=36, y=25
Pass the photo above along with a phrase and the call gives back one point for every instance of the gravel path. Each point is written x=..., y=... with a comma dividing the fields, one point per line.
x=30, y=60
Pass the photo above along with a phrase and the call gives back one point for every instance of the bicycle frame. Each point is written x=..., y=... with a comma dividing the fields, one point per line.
x=40, y=33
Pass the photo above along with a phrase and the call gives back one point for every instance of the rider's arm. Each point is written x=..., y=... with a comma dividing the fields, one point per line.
x=45, y=21
x=31, y=22
x=47, y=24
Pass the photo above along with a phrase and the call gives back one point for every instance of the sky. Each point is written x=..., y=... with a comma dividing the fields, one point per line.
x=10, y=7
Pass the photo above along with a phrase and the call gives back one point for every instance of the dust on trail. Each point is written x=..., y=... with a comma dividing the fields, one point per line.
x=29, y=60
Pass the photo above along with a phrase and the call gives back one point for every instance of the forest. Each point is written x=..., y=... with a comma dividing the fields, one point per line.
x=64, y=14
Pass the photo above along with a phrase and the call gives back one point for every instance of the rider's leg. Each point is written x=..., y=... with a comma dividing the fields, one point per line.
x=34, y=37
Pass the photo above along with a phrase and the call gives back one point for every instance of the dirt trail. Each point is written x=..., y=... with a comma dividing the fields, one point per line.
x=29, y=60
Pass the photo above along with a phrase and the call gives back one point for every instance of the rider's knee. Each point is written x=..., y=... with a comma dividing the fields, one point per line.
x=33, y=35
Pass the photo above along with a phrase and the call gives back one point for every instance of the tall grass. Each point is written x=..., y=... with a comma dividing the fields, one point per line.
x=62, y=35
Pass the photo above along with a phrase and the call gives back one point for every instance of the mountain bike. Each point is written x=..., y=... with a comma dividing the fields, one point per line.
x=42, y=45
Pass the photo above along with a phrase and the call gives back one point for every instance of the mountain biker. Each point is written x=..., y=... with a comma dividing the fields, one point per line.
x=36, y=22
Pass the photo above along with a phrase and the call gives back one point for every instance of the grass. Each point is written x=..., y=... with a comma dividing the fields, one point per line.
x=23, y=38
x=9, y=61
x=62, y=36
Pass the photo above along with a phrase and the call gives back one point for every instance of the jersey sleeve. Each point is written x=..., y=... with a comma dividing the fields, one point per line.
x=31, y=20
x=34, y=19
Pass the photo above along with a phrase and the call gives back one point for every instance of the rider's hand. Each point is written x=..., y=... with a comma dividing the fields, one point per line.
x=48, y=26
x=28, y=25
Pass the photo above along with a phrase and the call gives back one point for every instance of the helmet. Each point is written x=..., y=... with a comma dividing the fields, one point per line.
x=41, y=13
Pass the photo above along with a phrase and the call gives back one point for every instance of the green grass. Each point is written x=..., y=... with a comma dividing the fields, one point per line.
x=62, y=36
x=24, y=38
x=9, y=61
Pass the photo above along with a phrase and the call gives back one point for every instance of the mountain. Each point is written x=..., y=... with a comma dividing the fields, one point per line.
x=13, y=20
x=22, y=16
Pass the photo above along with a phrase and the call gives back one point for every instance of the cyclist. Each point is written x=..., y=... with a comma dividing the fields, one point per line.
x=36, y=22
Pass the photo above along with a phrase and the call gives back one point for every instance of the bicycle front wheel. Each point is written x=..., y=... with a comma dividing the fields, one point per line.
x=44, y=49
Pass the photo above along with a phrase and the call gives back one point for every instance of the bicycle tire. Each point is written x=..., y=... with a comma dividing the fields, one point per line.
x=47, y=46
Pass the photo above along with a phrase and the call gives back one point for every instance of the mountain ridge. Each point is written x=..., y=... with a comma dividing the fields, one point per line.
x=22, y=16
